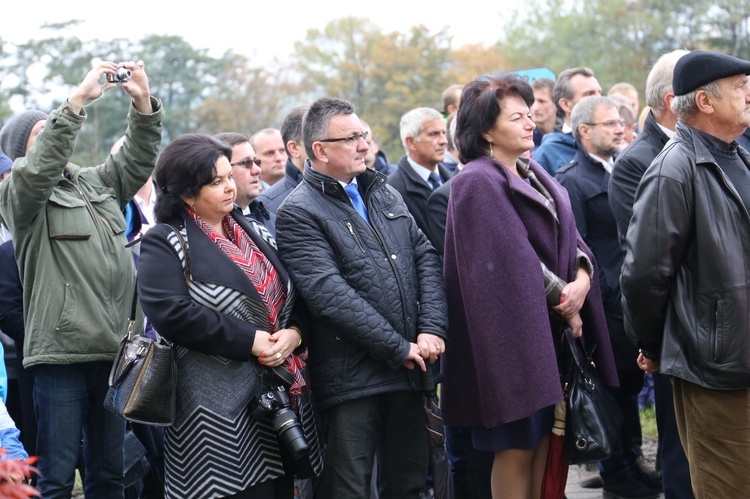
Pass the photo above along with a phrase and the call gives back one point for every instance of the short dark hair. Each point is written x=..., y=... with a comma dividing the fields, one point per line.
x=449, y=96
x=563, y=89
x=317, y=119
x=541, y=83
x=291, y=126
x=481, y=104
x=184, y=167
x=232, y=138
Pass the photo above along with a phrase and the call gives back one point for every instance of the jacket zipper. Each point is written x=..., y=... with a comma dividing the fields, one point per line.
x=398, y=279
x=716, y=331
x=95, y=217
x=355, y=236
x=93, y=214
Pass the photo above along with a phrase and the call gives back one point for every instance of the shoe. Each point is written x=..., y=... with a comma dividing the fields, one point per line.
x=628, y=487
x=650, y=480
x=588, y=476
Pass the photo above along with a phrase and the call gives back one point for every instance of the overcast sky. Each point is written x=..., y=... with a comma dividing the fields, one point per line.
x=261, y=28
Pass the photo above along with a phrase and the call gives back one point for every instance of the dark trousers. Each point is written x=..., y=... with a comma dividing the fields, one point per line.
x=675, y=471
x=471, y=468
x=391, y=425
x=626, y=453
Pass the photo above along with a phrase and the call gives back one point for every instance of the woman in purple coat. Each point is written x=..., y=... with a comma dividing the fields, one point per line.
x=507, y=220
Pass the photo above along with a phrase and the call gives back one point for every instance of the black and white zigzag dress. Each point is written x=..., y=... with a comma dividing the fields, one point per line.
x=215, y=447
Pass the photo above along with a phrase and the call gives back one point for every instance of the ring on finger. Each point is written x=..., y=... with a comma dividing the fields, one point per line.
x=278, y=355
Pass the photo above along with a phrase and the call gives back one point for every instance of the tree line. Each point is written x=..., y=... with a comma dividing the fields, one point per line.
x=384, y=74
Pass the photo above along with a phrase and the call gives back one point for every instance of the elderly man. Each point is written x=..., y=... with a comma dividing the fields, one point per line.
x=686, y=275
x=598, y=130
x=78, y=276
x=558, y=148
x=373, y=284
x=419, y=171
x=629, y=168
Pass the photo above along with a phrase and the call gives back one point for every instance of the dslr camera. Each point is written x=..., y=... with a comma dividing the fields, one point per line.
x=121, y=74
x=273, y=406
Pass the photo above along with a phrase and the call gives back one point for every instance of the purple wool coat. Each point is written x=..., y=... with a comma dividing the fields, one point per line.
x=501, y=362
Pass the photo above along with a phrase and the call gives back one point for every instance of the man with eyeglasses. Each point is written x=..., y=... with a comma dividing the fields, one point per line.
x=373, y=284
x=598, y=130
x=419, y=171
x=246, y=170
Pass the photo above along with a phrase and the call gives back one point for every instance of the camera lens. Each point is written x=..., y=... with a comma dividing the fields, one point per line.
x=290, y=432
x=123, y=73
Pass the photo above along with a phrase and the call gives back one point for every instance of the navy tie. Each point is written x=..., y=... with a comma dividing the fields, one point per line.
x=434, y=180
x=356, y=198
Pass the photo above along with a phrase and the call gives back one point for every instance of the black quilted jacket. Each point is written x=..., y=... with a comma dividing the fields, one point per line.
x=370, y=289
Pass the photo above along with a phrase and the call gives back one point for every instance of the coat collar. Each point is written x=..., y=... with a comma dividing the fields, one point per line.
x=592, y=168
x=209, y=264
x=367, y=180
x=293, y=175
x=416, y=183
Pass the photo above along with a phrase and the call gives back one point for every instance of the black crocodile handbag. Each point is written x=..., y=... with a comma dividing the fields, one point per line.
x=143, y=379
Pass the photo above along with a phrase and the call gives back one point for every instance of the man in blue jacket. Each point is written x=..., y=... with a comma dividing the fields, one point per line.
x=559, y=147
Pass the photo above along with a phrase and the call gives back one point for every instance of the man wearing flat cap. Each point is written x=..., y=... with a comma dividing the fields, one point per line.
x=686, y=277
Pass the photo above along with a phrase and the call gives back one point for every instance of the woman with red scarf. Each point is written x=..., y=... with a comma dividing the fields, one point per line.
x=211, y=282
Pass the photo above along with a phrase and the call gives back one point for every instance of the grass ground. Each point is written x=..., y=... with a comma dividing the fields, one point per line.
x=648, y=422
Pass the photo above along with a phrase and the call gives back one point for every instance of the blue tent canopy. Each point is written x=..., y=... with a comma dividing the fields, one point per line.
x=536, y=73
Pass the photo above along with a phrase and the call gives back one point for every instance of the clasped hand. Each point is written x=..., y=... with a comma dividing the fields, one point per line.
x=427, y=348
x=273, y=349
x=571, y=301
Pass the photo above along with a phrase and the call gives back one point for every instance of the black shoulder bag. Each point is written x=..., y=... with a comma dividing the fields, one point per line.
x=592, y=416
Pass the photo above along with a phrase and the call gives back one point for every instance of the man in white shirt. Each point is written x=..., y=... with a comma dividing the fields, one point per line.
x=419, y=171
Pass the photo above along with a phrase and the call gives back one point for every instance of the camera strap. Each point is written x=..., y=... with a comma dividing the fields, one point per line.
x=284, y=375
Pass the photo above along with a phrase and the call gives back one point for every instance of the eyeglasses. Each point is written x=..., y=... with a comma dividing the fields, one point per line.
x=247, y=163
x=609, y=123
x=350, y=139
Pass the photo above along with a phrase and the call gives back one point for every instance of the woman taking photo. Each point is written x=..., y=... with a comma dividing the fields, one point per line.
x=506, y=219
x=215, y=288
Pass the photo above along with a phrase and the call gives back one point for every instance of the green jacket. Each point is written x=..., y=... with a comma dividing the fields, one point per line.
x=69, y=237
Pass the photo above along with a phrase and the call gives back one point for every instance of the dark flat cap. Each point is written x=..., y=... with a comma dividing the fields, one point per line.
x=697, y=68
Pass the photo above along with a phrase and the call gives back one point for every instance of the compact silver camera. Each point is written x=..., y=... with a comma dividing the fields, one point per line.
x=121, y=74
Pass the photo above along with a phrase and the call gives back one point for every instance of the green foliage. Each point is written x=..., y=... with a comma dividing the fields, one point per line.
x=618, y=40
x=383, y=74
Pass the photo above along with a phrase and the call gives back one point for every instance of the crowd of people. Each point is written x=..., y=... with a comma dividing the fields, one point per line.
x=302, y=277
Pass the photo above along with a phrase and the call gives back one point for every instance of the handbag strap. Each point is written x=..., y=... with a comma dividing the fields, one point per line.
x=133, y=307
x=573, y=346
x=581, y=360
x=184, y=252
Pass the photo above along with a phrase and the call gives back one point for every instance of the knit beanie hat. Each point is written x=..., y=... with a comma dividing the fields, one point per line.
x=15, y=133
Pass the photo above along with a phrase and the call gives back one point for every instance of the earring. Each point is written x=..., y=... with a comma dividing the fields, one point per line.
x=492, y=154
